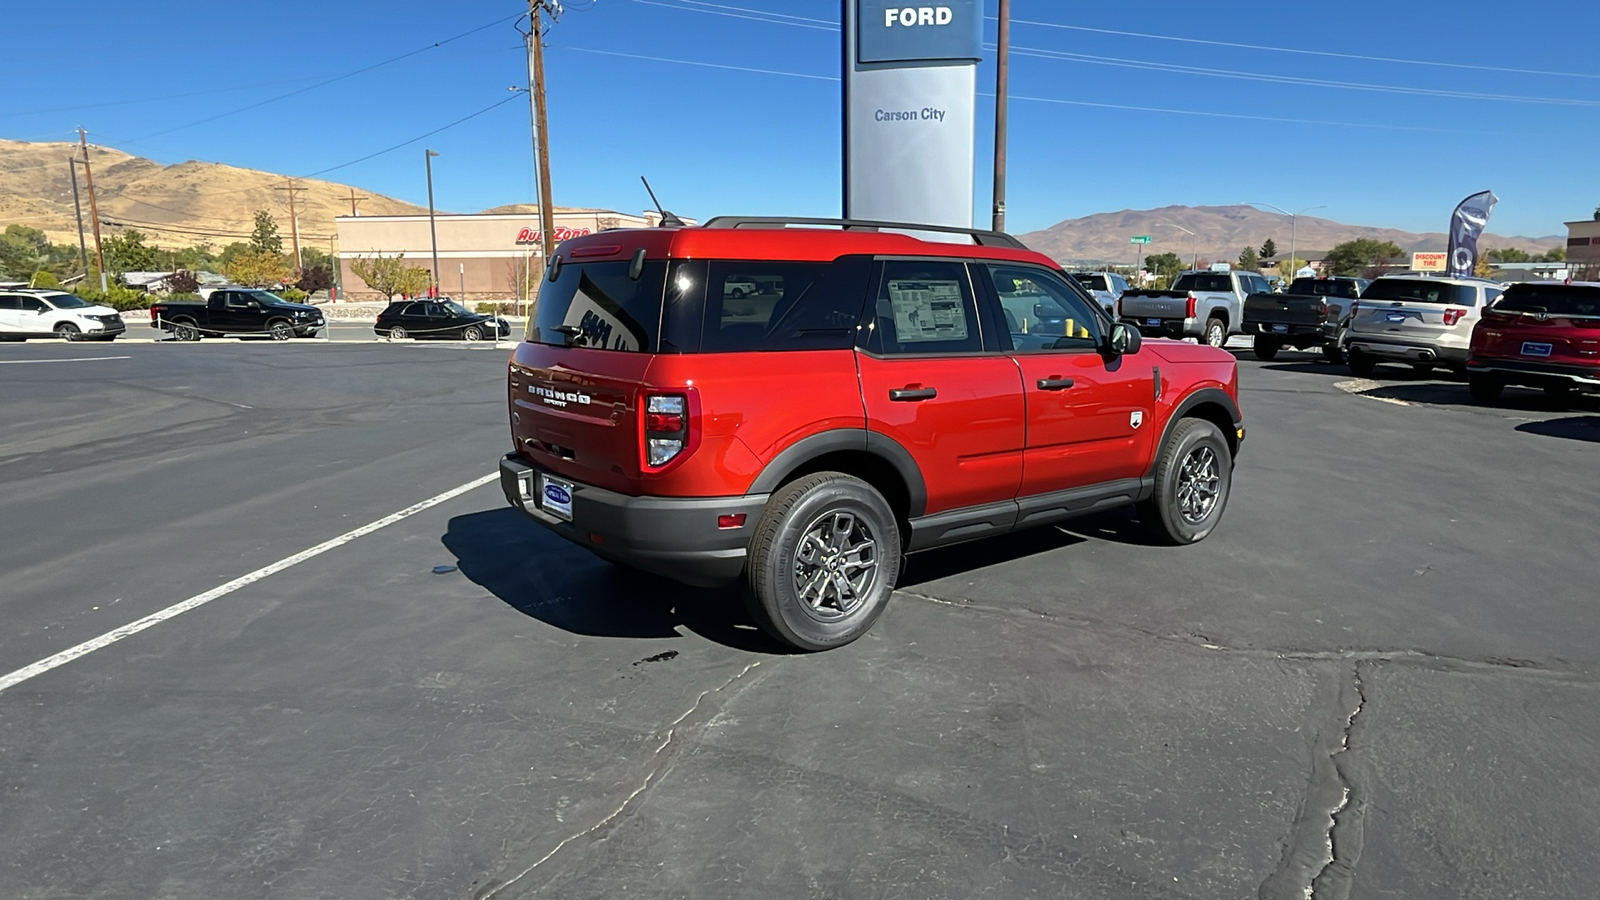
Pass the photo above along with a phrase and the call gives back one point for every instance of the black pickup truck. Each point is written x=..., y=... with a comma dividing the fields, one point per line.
x=236, y=311
x=1311, y=313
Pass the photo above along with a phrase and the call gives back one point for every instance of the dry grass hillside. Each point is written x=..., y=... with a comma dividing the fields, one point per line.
x=175, y=206
x=1224, y=231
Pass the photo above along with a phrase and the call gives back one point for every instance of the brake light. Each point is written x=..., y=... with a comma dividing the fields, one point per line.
x=1355, y=307
x=667, y=431
x=1193, y=302
x=1452, y=316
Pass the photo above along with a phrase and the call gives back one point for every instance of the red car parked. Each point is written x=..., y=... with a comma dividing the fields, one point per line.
x=802, y=406
x=1538, y=335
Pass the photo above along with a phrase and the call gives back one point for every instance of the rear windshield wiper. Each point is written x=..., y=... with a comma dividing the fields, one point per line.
x=573, y=333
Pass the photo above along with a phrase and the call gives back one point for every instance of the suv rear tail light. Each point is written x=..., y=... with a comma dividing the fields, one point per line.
x=1355, y=307
x=1452, y=316
x=1193, y=302
x=666, y=428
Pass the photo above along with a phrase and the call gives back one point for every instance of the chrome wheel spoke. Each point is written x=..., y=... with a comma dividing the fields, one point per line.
x=835, y=565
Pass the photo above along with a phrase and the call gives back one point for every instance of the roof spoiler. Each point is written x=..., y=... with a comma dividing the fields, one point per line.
x=981, y=237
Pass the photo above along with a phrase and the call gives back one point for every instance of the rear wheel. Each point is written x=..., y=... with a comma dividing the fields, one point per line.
x=1560, y=393
x=1194, y=475
x=823, y=562
x=184, y=331
x=1485, y=388
x=68, y=331
x=1361, y=364
x=397, y=333
x=1267, y=348
x=1422, y=368
x=1216, y=333
x=472, y=333
x=1332, y=353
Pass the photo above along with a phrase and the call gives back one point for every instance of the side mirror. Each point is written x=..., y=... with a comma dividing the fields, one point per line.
x=1125, y=339
x=254, y=304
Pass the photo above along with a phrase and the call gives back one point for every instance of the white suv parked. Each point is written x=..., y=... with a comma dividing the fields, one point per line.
x=41, y=313
x=1420, y=320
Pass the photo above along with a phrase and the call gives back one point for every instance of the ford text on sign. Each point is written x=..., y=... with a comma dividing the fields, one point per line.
x=895, y=31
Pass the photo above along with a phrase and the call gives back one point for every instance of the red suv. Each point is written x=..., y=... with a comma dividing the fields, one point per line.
x=801, y=407
x=1538, y=335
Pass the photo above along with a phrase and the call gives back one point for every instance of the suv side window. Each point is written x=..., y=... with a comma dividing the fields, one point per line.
x=31, y=304
x=1491, y=294
x=1042, y=311
x=759, y=306
x=10, y=302
x=924, y=307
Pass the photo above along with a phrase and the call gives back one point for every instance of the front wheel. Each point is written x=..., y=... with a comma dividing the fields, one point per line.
x=472, y=333
x=823, y=562
x=280, y=331
x=1485, y=388
x=1267, y=348
x=1216, y=333
x=68, y=331
x=1194, y=475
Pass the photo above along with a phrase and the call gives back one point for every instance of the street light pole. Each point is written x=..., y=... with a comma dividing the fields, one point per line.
x=1294, y=222
x=1001, y=90
x=1194, y=243
x=433, y=229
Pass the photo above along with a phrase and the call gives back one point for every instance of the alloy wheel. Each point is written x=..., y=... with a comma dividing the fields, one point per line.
x=1199, y=485
x=836, y=565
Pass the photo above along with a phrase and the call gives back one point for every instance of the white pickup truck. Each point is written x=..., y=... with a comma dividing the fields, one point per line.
x=1207, y=306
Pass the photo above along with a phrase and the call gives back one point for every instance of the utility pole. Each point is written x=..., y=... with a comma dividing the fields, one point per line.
x=354, y=201
x=433, y=229
x=94, y=209
x=1001, y=89
x=541, y=124
x=294, y=221
x=77, y=209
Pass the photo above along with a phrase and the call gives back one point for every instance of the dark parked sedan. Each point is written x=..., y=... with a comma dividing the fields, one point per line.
x=441, y=318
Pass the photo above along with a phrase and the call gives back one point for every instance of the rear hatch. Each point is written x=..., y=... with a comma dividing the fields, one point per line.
x=1309, y=301
x=1413, y=310
x=1556, y=324
x=575, y=383
x=1205, y=288
x=1155, y=305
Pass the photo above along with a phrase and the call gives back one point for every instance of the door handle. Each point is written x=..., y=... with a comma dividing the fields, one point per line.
x=912, y=395
x=1055, y=384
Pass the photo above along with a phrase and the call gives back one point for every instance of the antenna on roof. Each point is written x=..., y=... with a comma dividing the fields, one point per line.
x=668, y=220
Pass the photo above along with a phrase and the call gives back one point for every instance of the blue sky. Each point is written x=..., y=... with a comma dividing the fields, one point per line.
x=727, y=136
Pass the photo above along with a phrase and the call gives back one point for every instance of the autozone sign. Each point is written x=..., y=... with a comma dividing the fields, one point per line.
x=562, y=233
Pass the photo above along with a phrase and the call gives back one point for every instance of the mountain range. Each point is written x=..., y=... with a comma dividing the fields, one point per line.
x=1221, y=233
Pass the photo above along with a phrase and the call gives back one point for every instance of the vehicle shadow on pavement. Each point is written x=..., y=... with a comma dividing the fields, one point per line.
x=546, y=578
x=1573, y=428
x=1117, y=526
x=1513, y=400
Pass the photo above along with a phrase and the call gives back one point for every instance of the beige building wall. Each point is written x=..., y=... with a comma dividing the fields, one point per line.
x=481, y=257
x=1583, y=249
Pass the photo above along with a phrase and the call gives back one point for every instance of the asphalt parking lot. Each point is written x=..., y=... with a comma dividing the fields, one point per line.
x=1376, y=679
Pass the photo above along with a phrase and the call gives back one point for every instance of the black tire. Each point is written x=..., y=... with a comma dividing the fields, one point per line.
x=1361, y=364
x=396, y=333
x=739, y=293
x=1194, y=476
x=1560, y=394
x=1485, y=389
x=1267, y=348
x=1216, y=333
x=183, y=331
x=280, y=330
x=1422, y=368
x=472, y=333
x=68, y=331
x=1332, y=354
x=848, y=510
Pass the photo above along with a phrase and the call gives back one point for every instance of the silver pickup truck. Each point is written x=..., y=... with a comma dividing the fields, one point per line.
x=1207, y=306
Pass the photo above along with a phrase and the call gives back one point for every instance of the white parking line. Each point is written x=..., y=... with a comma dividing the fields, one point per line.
x=199, y=600
x=21, y=362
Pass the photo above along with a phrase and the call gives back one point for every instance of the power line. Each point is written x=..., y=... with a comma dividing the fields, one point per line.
x=686, y=62
x=758, y=15
x=411, y=141
x=141, y=100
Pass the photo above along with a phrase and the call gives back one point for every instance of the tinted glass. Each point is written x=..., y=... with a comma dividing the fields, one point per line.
x=31, y=304
x=1406, y=290
x=1043, y=312
x=1325, y=287
x=783, y=305
x=1553, y=299
x=924, y=307
x=1204, y=281
x=9, y=303
x=597, y=305
x=67, y=301
x=1093, y=282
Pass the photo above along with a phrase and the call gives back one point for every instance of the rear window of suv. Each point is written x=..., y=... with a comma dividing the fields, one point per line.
x=1404, y=290
x=597, y=305
x=1092, y=282
x=1552, y=299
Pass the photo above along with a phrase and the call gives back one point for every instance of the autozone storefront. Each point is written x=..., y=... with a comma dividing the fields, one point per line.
x=481, y=257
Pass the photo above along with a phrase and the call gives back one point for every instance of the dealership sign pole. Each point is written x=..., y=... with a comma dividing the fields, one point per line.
x=910, y=117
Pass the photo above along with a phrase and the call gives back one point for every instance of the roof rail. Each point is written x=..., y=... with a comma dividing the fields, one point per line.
x=981, y=237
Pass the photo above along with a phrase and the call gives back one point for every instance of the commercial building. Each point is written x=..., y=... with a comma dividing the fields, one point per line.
x=1583, y=248
x=481, y=257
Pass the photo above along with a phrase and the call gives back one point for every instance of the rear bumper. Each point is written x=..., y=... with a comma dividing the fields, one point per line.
x=1167, y=328
x=1532, y=374
x=1270, y=329
x=1402, y=351
x=675, y=537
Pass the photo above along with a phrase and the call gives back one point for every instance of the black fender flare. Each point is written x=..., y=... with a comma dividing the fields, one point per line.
x=1202, y=396
x=856, y=440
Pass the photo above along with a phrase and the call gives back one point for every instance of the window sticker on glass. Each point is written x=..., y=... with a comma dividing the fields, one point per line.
x=926, y=311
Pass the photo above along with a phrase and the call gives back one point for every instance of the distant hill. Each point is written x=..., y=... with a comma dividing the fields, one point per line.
x=1224, y=231
x=175, y=206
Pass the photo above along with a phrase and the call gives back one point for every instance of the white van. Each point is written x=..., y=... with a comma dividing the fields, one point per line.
x=29, y=313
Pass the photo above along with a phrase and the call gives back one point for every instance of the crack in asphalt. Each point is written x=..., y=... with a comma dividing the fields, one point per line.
x=1557, y=669
x=657, y=767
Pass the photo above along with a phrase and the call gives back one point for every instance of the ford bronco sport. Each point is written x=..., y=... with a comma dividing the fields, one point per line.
x=879, y=397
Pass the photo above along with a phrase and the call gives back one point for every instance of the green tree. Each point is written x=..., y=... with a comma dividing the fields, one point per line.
x=1357, y=256
x=415, y=281
x=311, y=256
x=1268, y=251
x=381, y=273
x=1164, y=265
x=1509, y=255
x=315, y=278
x=1554, y=254
x=257, y=268
x=1248, y=260
x=265, y=237
x=127, y=252
x=183, y=282
x=44, y=279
